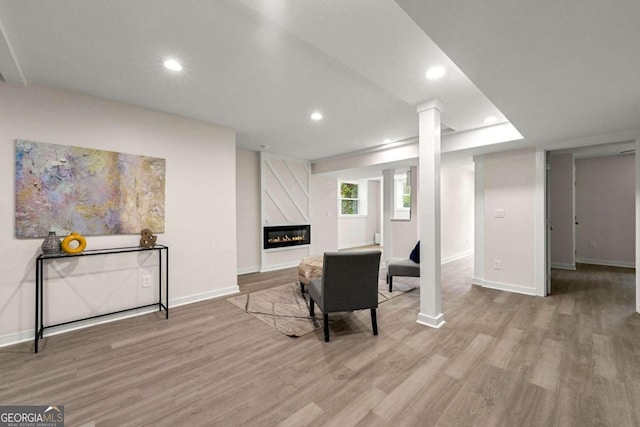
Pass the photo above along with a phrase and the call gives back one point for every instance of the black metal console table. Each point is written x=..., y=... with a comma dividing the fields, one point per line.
x=40, y=327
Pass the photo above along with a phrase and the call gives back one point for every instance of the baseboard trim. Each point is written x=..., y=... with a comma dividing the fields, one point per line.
x=282, y=266
x=607, y=263
x=560, y=266
x=455, y=257
x=383, y=262
x=29, y=335
x=518, y=289
x=203, y=296
x=430, y=321
x=357, y=245
x=247, y=270
x=17, y=338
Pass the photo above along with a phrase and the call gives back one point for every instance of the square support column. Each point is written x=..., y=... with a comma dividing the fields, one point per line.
x=429, y=214
x=387, y=213
x=637, y=223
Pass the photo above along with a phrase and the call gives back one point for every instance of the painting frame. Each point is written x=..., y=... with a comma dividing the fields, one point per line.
x=64, y=188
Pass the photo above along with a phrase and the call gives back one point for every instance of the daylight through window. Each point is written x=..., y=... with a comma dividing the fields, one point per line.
x=352, y=198
x=402, y=208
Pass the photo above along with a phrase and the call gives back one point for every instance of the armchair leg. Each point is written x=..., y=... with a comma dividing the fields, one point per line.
x=374, y=321
x=390, y=281
x=326, y=327
x=301, y=288
x=311, y=307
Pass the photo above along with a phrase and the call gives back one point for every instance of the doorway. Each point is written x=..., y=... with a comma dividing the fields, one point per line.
x=590, y=205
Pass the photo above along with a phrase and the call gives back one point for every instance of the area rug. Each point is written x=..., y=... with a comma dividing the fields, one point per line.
x=287, y=309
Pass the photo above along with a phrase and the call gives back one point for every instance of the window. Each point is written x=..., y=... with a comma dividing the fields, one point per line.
x=402, y=206
x=352, y=198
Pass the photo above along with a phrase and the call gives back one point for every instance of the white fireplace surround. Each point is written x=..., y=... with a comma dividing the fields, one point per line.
x=285, y=201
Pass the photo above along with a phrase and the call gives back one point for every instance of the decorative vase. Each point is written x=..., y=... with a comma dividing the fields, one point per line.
x=74, y=237
x=51, y=244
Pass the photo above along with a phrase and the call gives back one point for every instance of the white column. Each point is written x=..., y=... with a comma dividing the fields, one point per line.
x=478, y=239
x=429, y=214
x=415, y=188
x=637, y=223
x=540, y=225
x=387, y=213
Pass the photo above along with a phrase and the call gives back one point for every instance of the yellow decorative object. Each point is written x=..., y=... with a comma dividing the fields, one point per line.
x=74, y=237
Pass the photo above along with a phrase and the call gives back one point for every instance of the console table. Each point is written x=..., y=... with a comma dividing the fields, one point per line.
x=163, y=261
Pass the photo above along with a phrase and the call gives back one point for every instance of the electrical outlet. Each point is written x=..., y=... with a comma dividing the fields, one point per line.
x=146, y=281
x=592, y=244
x=497, y=265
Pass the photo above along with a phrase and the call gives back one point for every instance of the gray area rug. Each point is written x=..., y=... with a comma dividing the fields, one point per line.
x=287, y=309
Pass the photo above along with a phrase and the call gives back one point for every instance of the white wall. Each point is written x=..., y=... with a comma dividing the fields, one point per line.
x=248, y=210
x=324, y=215
x=561, y=210
x=359, y=230
x=605, y=207
x=508, y=184
x=286, y=200
x=456, y=218
x=405, y=236
x=323, y=198
x=285, y=187
x=200, y=207
x=404, y=233
x=457, y=213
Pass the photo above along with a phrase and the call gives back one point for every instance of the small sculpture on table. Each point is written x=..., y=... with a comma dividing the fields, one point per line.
x=147, y=239
x=51, y=244
x=74, y=243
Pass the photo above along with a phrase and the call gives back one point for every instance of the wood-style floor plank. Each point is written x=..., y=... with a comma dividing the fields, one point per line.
x=501, y=359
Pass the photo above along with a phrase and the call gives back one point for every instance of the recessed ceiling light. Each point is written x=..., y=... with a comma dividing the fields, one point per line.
x=173, y=65
x=489, y=120
x=435, y=72
x=316, y=116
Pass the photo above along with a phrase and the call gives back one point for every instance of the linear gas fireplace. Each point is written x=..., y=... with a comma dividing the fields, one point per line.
x=286, y=235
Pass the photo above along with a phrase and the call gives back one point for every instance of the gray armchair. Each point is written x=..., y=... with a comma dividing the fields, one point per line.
x=349, y=282
x=401, y=267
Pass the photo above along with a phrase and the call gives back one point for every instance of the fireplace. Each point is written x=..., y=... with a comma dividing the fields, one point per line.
x=286, y=235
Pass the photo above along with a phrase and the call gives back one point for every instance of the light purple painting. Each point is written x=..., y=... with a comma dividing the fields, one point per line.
x=92, y=192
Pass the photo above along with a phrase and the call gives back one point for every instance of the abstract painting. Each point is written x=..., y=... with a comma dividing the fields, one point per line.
x=93, y=192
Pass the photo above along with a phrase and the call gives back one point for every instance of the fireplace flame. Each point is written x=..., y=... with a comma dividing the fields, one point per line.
x=285, y=238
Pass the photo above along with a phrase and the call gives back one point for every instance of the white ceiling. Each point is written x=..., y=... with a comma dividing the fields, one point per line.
x=558, y=71
x=260, y=67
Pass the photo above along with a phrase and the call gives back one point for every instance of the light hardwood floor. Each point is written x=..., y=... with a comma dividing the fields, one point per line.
x=502, y=359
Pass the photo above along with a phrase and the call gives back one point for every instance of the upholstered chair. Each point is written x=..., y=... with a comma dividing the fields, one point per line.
x=401, y=267
x=349, y=282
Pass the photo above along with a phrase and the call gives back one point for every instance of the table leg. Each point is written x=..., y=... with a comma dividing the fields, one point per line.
x=37, y=308
x=167, y=283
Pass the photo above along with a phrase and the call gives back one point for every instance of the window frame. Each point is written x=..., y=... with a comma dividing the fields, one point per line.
x=361, y=200
x=400, y=183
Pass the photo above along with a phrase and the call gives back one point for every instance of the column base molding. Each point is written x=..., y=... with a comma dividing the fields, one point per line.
x=432, y=322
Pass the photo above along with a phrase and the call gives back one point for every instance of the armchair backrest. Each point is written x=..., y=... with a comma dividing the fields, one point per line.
x=350, y=280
